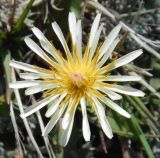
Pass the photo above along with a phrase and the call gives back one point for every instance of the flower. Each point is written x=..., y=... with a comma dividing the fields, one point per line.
x=77, y=78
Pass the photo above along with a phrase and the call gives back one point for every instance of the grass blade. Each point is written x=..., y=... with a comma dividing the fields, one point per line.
x=22, y=17
x=137, y=129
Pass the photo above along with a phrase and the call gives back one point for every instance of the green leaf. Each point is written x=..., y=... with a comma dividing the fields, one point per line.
x=75, y=6
x=155, y=83
x=22, y=17
x=144, y=108
x=144, y=112
x=120, y=128
x=137, y=129
x=4, y=108
x=2, y=35
x=7, y=70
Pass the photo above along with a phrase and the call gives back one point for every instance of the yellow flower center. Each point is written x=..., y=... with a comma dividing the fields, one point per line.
x=78, y=79
x=78, y=83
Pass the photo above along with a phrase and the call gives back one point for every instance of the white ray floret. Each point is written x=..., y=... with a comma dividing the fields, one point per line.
x=72, y=27
x=109, y=40
x=55, y=105
x=125, y=59
x=24, y=66
x=38, y=105
x=24, y=84
x=111, y=94
x=94, y=29
x=96, y=40
x=102, y=118
x=123, y=78
x=66, y=133
x=68, y=115
x=79, y=39
x=85, y=123
x=39, y=88
x=33, y=46
x=50, y=125
x=126, y=90
x=108, y=52
x=114, y=106
x=33, y=76
x=46, y=45
x=59, y=34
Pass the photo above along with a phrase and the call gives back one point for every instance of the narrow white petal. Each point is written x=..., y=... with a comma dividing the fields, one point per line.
x=59, y=34
x=39, y=88
x=24, y=66
x=85, y=123
x=123, y=78
x=111, y=94
x=114, y=106
x=72, y=26
x=124, y=59
x=109, y=40
x=102, y=118
x=68, y=115
x=94, y=29
x=55, y=105
x=108, y=52
x=37, y=106
x=126, y=90
x=66, y=133
x=95, y=41
x=24, y=84
x=79, y=39
x=35, y=48
x=46, y=45
x=33, y=76
x=38, y=33
x=50, y=125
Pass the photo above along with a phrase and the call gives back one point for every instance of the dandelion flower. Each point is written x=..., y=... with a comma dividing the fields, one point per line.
x=77, y=78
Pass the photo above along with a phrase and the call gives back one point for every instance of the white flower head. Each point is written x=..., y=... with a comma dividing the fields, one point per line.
x=79, y=77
